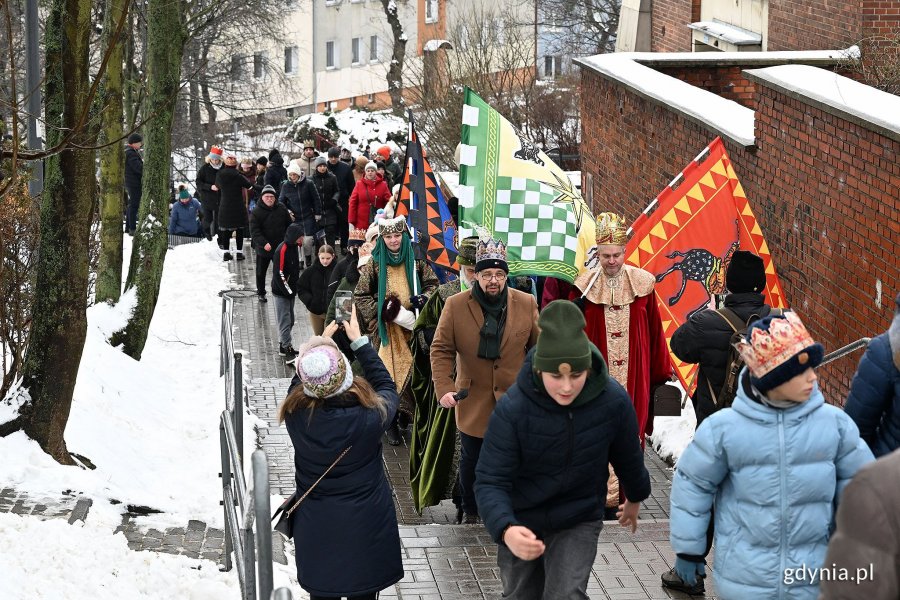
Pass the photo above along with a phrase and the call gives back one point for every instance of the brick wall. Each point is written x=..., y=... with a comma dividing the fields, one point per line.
x=668, y=23
x=814, y=24
x=880, y=17
x=824, y=190
x=725, y=81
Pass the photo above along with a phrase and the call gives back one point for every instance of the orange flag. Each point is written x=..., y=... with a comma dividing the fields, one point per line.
x=701, y=219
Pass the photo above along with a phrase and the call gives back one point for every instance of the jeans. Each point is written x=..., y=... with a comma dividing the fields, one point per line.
x=561, y=573
x=469, y=450
x=262, y=270
x=284, y=314
x=224, y=239
x=134, y=203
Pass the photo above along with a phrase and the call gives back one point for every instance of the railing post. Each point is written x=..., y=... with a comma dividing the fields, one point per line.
x=249, y=566
x=263, y=508
x=237, y=380
x=226, y=483
x=222, y=337
x=282, y=594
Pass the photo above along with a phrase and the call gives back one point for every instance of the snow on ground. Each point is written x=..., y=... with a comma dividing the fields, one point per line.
x=356, y=128
x=671, y=435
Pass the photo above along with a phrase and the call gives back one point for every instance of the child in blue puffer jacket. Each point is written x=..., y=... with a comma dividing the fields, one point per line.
x=771, y=469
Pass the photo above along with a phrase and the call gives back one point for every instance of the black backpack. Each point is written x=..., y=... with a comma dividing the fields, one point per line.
x=726, y=395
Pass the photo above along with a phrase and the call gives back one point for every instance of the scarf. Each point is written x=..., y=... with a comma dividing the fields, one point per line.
x=385, y=258
x=494, y=321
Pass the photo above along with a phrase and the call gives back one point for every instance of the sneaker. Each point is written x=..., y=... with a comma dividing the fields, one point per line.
x=289, y=353
x=261, y=297
x=240, y=256
x=226, y=257
x=671, y=580
x=282, y=350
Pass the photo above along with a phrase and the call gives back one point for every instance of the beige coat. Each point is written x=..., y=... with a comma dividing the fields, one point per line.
x=455, y=350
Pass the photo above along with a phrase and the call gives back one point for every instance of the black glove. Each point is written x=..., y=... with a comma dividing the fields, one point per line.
x=579, y=302
x=418, y=302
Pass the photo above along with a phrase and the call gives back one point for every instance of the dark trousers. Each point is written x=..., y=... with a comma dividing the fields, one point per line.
x=208, y=220
x=469, y=450
x=561, y=573
x=262, y=269
x=710, y=531
x=342, y=225
x=224, y=237
x=363, y=597
x=134, y=204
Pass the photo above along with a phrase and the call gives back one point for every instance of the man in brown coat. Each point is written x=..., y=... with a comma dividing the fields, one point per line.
x=863, y=559
x=482, y=338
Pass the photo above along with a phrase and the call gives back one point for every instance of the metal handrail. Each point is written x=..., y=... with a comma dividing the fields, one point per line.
x=845, y=350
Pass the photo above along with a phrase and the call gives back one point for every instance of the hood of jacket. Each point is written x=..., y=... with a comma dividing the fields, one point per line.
x=294, y=232
x=372, y=183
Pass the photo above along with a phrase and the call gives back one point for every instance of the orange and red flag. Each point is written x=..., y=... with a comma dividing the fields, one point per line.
x=701, y=219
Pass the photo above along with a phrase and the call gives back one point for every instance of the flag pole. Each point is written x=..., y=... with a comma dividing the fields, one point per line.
x=413, y=201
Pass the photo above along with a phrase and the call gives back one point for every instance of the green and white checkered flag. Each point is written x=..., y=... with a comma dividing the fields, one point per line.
x=513, y=189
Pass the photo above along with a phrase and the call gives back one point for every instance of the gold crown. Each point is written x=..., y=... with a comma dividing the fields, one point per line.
x=611, y=229
x=358, y=235
x=490, y=249
x=768, y=349
x=395, y=225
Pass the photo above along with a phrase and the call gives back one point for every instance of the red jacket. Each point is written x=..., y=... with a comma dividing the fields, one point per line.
x=366, y=194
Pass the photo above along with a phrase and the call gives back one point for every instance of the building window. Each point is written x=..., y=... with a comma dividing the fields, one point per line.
x=431, y=11
x=332, y=2
x=290, y=113
x=291, y=60
x=355, y=43
x=371, y=99
x=259, y=60
x=373, y=48
x=330, y=105
x=236, y=64
x=330, y=55
x=552, y=66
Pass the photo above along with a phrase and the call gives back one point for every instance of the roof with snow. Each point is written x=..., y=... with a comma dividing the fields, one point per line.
x=836, y=94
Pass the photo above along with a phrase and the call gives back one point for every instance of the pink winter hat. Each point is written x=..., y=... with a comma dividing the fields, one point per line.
x=323, y=369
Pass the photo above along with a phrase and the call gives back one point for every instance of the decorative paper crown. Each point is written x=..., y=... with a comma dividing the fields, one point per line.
x=215, y=152
x=357, y=235
x=490, y=249
x=767, y=350
x=309, y=144
x=395, y=225
x=611, y=229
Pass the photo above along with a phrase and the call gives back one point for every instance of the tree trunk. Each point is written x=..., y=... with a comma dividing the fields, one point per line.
x=112, y=161
x=208, y=103
x=194, y=118
x=59, y=326
x=165, y=47
x=395, y=70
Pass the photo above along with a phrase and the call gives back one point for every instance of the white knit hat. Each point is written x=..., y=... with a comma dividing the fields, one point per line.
x=295, y=169
x=323, y=368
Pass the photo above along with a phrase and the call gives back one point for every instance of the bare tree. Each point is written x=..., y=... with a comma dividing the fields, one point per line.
x=878, y=63
x=398, y=58
x=577, y=27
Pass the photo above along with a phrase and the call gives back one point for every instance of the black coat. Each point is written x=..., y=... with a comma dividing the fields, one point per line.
x=312, y=290
x=329, y=193
x=134, y=168
x=345, y=265
x=232, y=209
x=345, y=532
x=206, y=178
x=268, y=226
x=544, y=465
x=303, y=200
x=276, y=174
x=704, y=340
x=286, y=263
x=344, y=174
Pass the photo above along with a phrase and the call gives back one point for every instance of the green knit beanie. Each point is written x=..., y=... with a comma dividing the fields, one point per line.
x=562, y=346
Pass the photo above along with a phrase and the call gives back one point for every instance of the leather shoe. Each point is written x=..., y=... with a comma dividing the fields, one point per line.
x=671, y=580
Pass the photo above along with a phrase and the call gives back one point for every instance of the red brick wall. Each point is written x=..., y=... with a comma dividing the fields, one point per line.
x=668, y=21
x=725, y=81
x=880, y=17
x=813, y=24
x=823, y=189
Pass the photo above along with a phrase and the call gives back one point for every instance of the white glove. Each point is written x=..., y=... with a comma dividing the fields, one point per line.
x=406, y=319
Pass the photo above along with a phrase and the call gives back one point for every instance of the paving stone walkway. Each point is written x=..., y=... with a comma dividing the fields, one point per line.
x=443, y=560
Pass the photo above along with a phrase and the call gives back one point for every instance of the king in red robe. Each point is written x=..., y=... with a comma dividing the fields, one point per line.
x=623, y=322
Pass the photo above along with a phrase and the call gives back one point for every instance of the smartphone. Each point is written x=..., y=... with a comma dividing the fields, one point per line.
x=343, y=305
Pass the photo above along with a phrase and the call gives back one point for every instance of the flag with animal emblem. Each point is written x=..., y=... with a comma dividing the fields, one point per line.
x=422, y=202
x=512, y=188
x=702, y=217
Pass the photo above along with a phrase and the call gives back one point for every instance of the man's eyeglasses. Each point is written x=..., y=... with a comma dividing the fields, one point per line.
x=500, y=278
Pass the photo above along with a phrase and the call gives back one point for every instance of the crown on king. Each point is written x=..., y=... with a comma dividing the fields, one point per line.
x=611, y=229
x=490, y=249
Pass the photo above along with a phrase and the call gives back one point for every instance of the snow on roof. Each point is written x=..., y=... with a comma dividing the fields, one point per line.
x=841, y=93
x=723, y=116
x=432, y=45
x=744, y=58
x=730, y=33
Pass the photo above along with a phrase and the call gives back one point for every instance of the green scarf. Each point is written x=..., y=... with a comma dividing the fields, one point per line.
x=385, y=257
x=494, y=321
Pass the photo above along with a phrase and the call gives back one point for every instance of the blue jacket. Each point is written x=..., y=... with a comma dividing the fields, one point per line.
x=184, y=219
x=874, y=399
x=774, y=476
x=545, y=466
x=345, y=532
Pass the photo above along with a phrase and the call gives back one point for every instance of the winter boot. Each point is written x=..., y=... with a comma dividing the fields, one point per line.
x=671, y=580
x=393, y=434
x=240, y=255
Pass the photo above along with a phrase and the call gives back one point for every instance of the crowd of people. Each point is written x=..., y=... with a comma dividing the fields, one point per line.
x=549, y=406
